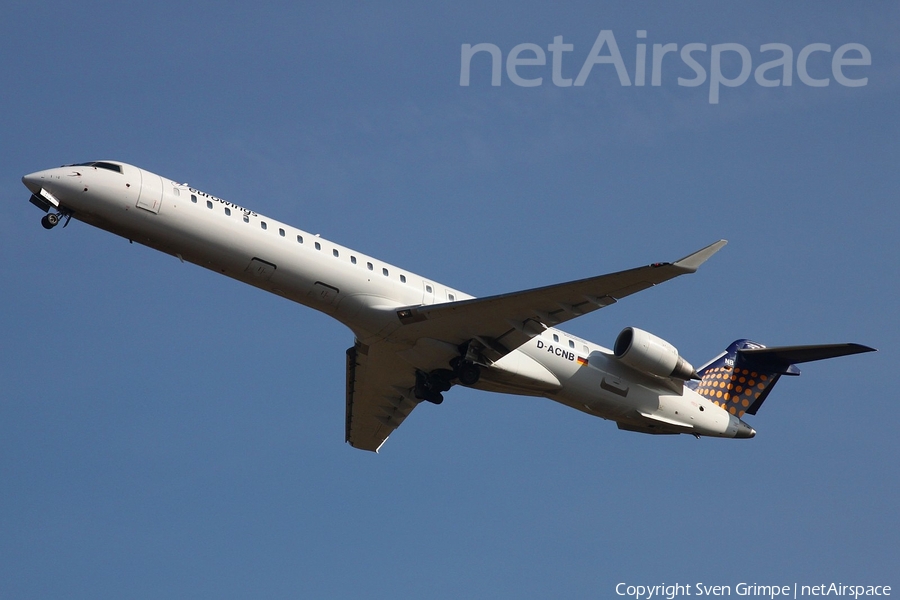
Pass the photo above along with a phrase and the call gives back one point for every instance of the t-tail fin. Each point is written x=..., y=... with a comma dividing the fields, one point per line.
x=741, y=378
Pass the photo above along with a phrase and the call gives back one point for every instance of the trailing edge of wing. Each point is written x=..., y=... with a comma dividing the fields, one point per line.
x=507, y=321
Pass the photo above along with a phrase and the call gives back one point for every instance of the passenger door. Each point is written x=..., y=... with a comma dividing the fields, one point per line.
x=150, y=198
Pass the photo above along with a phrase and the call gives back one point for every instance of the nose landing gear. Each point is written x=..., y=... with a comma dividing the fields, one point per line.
x=51, y=220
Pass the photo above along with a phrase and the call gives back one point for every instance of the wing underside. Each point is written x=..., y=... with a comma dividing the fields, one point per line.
x=379, y=394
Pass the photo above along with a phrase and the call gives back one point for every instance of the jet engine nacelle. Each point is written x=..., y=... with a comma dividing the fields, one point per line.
x=647, y=353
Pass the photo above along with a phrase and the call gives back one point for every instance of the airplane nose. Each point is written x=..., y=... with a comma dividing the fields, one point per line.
x=33, y=181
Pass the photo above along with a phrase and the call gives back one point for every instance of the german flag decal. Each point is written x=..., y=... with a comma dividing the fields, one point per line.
x=582, y=361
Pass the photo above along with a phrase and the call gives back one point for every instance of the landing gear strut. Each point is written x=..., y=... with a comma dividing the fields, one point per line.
x=468, y=373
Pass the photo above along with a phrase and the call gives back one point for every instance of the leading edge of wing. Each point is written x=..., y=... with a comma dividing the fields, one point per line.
x=514, y=318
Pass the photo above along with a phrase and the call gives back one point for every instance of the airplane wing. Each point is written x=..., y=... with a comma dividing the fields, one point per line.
x=505, y=322
x=379, y=398
x=381, y=376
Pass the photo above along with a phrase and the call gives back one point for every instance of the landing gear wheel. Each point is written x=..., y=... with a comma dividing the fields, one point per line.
x=429, y=387
x=468, y=373
x=440, y=380
x=49, y=221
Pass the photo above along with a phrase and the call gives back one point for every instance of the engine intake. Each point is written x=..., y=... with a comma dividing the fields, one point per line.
x=647, y=353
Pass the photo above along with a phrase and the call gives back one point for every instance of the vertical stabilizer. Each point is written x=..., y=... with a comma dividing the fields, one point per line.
x=741, y=378
x=735, y=384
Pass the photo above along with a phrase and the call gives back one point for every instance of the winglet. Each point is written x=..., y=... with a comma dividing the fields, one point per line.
x=692, y=262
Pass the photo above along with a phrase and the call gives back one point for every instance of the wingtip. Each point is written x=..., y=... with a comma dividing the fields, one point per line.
x=692, y=262
x=862, y=348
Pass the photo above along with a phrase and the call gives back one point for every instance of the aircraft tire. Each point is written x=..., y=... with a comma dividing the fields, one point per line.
x=49, y=221
x=468, y=373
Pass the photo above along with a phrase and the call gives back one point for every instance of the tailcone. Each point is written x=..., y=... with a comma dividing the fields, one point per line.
x=744, y=431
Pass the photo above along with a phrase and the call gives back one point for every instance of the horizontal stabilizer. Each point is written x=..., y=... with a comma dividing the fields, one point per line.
x=778, y=358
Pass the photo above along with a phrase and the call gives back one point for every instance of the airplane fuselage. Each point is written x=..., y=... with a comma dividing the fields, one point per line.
x=364, y=293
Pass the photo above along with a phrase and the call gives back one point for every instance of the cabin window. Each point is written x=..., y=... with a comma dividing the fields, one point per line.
x=429, y=289
x=318, y=246
x=281, y=232
x=384, y=272
x=369, y=266
x=571, y=344
x=227, y=211
x=263, y=225
x=193, y=198
x=451, y=297
x=403, y=279
x=555, y=338
x=585, y=348
x=246, y=218
x=335, y=253
x=353, y=259
x=208, y=204
x=299, y=239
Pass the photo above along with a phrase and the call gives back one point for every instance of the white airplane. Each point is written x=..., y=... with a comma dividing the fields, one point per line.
x=415, y=338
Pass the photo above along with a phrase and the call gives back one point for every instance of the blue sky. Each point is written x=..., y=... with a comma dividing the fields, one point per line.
x=166, y=432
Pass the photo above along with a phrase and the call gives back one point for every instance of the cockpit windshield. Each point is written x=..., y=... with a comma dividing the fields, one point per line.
x=100, y=165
